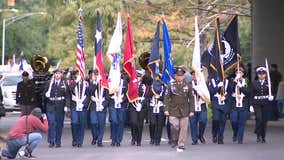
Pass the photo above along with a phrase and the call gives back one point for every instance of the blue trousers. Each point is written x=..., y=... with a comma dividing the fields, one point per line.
x=78, y=122
x=238, y=121
x=98, y=122
x=198, y=125
x=55, y=126
x=14, y=145
x=117, y=119
x=219, y=122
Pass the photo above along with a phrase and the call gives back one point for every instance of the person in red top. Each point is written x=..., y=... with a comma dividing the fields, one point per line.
x=26, y=131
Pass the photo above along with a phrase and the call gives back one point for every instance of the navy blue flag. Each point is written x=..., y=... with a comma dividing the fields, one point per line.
x=168, y=71
x=154, y=60
x=217, y=50
x=231, y=44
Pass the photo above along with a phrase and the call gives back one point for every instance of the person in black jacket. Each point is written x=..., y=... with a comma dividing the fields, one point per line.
x=25, y=94
x=240, y=104
x=261, y=99
x=157, y=117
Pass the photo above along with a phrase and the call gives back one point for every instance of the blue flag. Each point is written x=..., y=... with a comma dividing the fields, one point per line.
x=154, y=59
x=168, y=72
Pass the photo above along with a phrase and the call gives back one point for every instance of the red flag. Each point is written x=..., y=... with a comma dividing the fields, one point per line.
x=129, y=64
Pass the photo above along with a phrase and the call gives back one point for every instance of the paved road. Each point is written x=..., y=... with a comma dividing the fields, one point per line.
x=272, y=150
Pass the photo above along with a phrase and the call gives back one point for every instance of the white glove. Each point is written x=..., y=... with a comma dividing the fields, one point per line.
x=239, y=84
x=220, y=84
x=44, y=116
x=238, y=76
x=78, y=79
x=65, y=109
x=93, y=98
x=251, y=109
x=270, y=98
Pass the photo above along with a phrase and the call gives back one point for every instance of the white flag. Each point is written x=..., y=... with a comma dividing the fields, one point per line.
x=114, y=55
x=201, y=87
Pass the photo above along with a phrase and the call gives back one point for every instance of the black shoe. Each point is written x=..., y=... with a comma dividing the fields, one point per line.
x=57, y=145
x=79, y=146
x=263, y=140
x=214, y=139
x=132, y=142
x=174, y=144
x=138, y=144
x=94, y=142
x=180, y=148
x=194, y=143
x=220, y=141
x=202, y=140
x=117, y=144
x=112, y=144
x=157, y=143
x=152, y=142
x=74, y=144
x=100, y=145
x=234, y=138
x=51, y=145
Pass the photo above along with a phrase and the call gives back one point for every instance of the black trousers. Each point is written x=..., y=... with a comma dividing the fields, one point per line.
x=156, y=126
x=261, y=117
x=136, y=123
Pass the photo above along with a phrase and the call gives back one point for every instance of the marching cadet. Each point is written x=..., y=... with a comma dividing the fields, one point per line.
x=117, y=112
x=199, y=119
x=157, y=118
x=25, y=94
x=137, y=113
x=240, y=104
x=55, y=93
x=260, y=100
x=98, y=106
x=179, y=106
x=220, y=103
x=78, y=101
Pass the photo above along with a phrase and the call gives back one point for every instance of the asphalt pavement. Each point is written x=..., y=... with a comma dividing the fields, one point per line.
x=250, y=150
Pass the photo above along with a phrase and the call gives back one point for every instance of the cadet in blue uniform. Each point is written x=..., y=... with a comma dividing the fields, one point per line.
x=137, y=113
x=219, y=102
x=240, y=104
x=199, y=119
x=157, y=118
x=260, y=99
x=56, y=93
x=78, y=101
x=117, y=112
x=98, y=106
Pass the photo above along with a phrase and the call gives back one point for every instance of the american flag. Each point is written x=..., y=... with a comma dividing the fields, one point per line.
x=80, y=58
x=99, y=52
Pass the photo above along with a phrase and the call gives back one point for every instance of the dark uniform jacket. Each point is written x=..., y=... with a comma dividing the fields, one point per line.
x=124, y=102
x=93, y=91
x=179, y=99
x=159, y=90
x=215, y=90
x=25, y=94
x=84, y=92
x=244, y=90
x=259, y=92
x=58, y=96
x=142, y=97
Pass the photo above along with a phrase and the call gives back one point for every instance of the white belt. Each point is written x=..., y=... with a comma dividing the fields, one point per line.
x=260, y=97
x=56, y=98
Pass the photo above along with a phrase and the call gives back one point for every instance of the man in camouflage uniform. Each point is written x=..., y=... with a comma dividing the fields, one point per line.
x=179, y=106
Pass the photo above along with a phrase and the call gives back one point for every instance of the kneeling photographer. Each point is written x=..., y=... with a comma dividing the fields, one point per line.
x=25, y=132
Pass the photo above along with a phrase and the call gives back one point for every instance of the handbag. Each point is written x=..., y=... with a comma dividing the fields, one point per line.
x=2, y=111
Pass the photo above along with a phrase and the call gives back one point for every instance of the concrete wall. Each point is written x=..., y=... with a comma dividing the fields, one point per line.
x=268, y=32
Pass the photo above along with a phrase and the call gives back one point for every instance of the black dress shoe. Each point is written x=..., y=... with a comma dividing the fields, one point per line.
x=214, y=139
x=132, y=142
x=74, y=144
x=151, y=141
x=100, y=145
x=194, y=143
x=51, y=145
x=112, y=144
x=79, y=146
x=220, y=141
x=94, y=142
x=138, y=144
x=202, y=140
x=234, y=138
x=263, y=140
x=57, y=145
x=117, y=144
x=157, y=143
